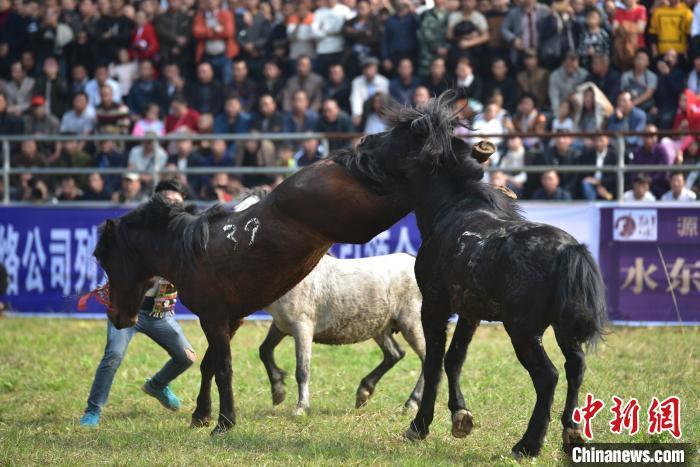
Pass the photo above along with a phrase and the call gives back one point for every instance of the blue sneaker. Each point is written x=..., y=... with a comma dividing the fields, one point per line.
x=165, y=396
x=90, y=419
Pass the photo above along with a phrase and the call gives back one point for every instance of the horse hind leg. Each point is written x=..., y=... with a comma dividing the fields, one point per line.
x=462, y=419
x=575, y=367
x=531, y=354
x=274, y=373
x=392, y=352
x=413, y=333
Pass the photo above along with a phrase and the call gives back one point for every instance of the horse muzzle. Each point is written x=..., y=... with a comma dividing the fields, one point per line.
x=120, y=321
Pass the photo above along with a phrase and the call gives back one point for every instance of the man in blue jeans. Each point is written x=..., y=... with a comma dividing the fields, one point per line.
x=157, y=321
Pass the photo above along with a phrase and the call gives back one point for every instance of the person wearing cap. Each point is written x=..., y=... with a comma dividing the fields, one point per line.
x=365, y=86
x=131, y=190
x=38, y=120
x=157, y=321
x=640, y=189
x=564, y=80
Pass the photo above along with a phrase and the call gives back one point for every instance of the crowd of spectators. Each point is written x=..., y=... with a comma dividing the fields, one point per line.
x=149, y=68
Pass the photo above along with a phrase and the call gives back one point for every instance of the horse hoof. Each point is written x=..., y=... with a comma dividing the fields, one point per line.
x=301, y=411
x=522, y=450
x=410, y=406
x=199, y=422
x=462, y=423
x=363, y=395
x=219, y=430
x=572, y=437
x=412, y=435
x=278, y=396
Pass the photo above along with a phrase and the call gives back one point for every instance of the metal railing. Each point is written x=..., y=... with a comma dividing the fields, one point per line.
x=324, y=138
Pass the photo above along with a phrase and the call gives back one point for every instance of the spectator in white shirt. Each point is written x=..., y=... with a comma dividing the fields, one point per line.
x=369, y=83
x=640, y=190
x=327, y=27
x=92, y=88
x=143, y=156
x=678, y=191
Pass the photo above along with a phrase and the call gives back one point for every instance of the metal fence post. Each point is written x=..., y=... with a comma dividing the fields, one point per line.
x=6, y=171
x=154, y=170
x=620, y=166
x=326, y=146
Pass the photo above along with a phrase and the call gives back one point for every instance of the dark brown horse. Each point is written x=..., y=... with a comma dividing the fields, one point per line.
x=226, y=265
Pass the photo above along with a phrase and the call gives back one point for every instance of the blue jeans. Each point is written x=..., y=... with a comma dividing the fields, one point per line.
x=223, y=67
x=164, y=331
x=589, y=190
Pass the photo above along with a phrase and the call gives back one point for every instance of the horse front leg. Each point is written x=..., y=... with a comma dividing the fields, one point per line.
x=220, y=339
x=434, y=320
x=202, y=413
x=462, y=419
x=274, y=373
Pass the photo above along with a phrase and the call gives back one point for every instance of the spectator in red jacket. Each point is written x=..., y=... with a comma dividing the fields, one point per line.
x=181, y=116
x=144, y=42
x=214, y=30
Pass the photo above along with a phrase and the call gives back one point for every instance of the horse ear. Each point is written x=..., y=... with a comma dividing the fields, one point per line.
x=107, y=231
x=483, y=150
x=108, y=228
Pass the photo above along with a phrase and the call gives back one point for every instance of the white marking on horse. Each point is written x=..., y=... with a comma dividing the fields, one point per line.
x=231, y=229
x=462, y=244
x=252, y=226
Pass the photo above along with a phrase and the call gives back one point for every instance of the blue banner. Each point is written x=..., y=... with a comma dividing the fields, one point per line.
x=47, y=252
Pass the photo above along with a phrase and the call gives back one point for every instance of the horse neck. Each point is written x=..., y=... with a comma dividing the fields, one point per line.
x=333, y=206
x=160, y=250
x=437, y=196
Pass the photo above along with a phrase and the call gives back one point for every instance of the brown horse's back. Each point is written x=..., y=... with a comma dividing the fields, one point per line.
x=257, y=255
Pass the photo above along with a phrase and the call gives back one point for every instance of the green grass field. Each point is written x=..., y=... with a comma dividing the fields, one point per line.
x=46, y=367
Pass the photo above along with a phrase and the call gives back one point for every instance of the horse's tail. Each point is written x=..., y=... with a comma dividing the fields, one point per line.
x=580, y=296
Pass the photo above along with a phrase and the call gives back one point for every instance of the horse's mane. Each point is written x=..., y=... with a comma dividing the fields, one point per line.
x=366, y=167
x=441, y=152
x=435, y=122
x=159, y=215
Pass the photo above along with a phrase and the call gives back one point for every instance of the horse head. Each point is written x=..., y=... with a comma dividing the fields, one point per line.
x=420, y=142
x=128, y=277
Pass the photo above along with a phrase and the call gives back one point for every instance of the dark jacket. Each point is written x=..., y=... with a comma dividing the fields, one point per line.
x=340, y=94
x=550, y=156
x=169, y=26
x=107, y=47
x=56, y=93
x=143, y=92
x=399, y=39
x=273, y=124
x=609, y=179
x=609, y=83
x=343, y=124
x=246, y=91
x=559, y=195
x=206, y=98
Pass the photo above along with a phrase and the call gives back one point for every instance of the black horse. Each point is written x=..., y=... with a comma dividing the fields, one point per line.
x=482, y=260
